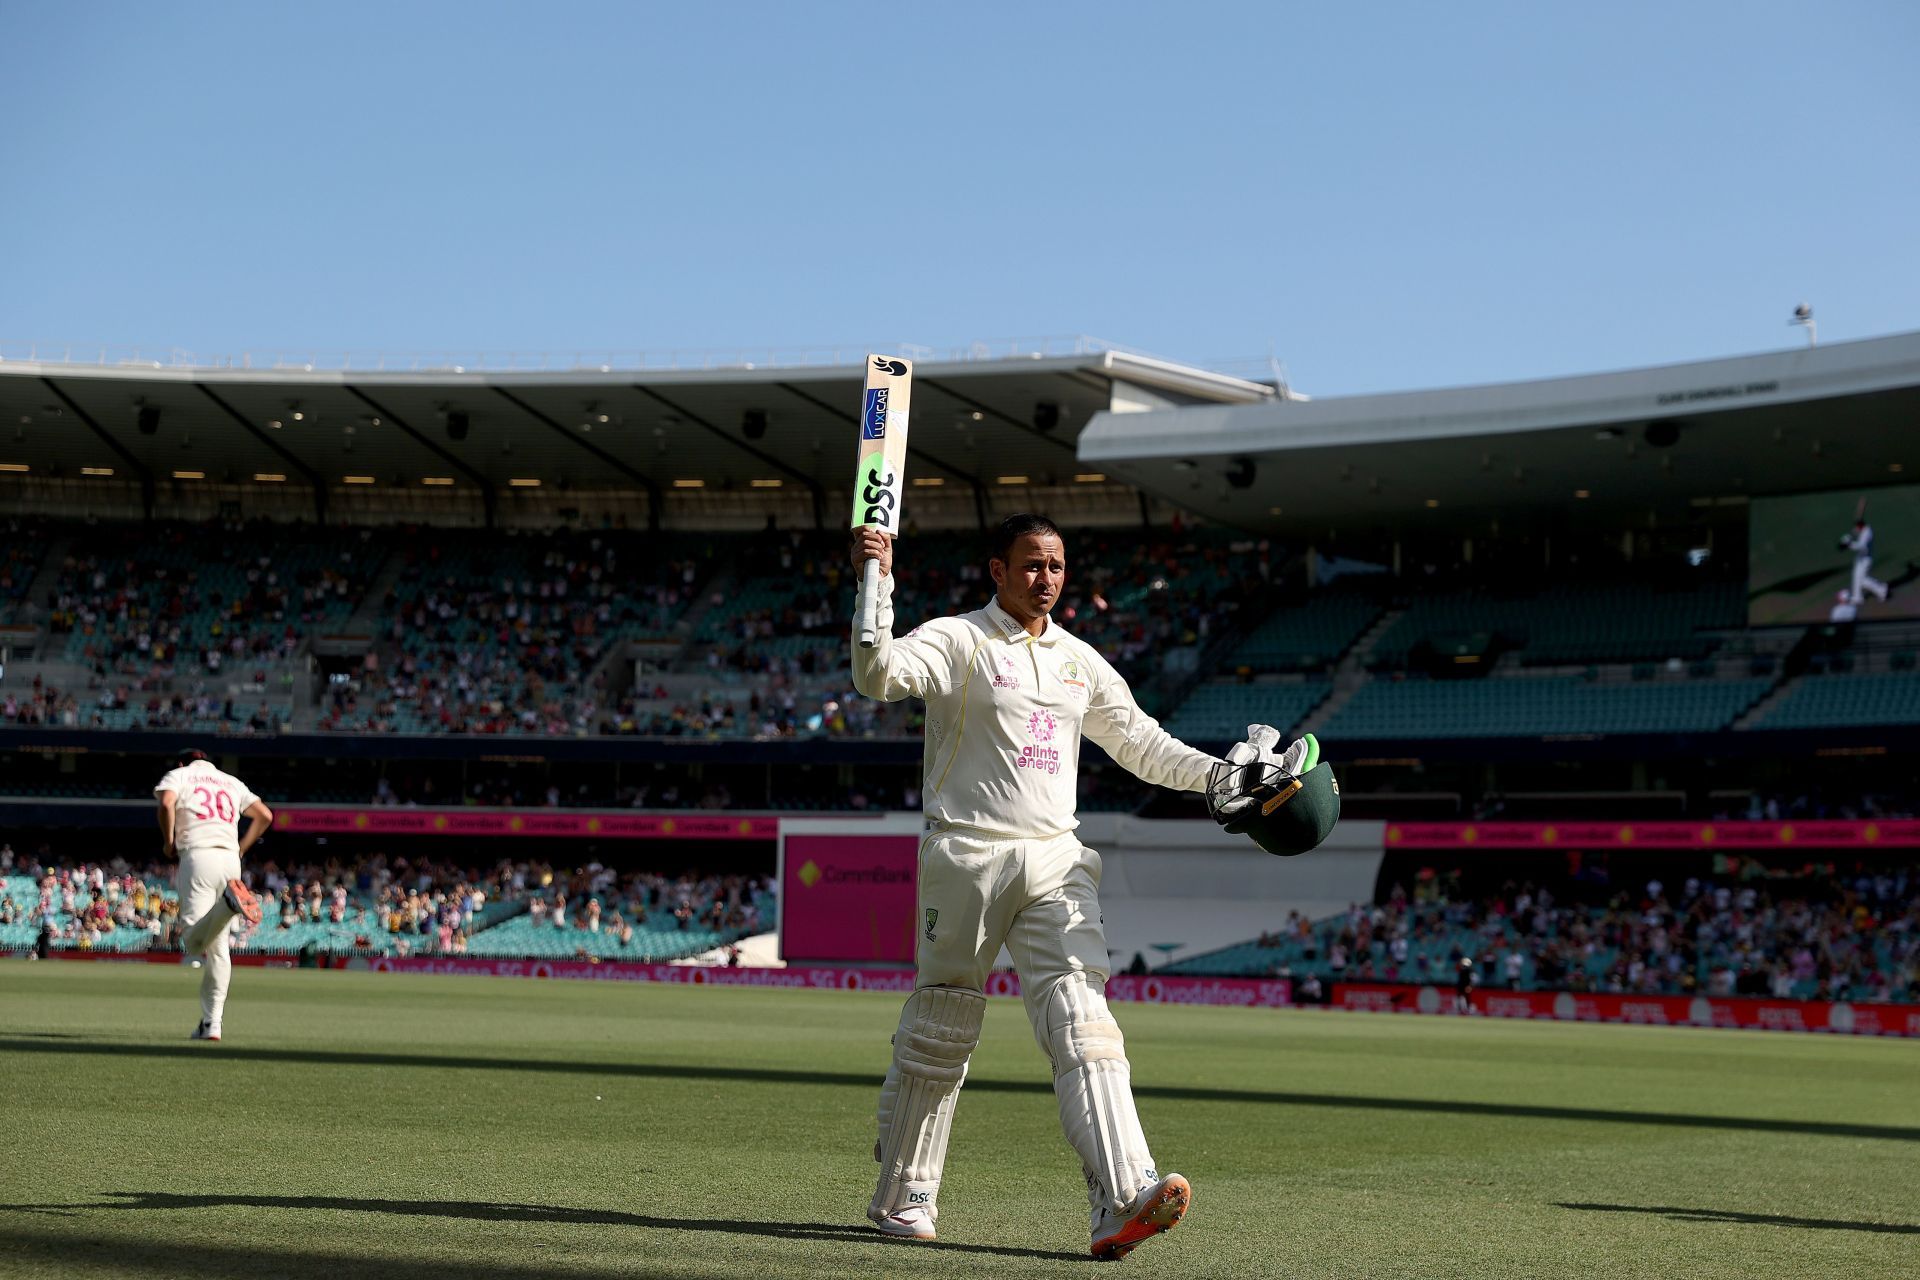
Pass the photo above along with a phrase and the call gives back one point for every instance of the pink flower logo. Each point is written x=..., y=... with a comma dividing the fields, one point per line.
x=1041, y=725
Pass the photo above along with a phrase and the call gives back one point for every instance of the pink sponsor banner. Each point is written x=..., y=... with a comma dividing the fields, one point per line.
x=1678, y=1011
x=847, y=896
x=562, y=823
x=1900, y=833
x=1252, y=993
x=239, y=958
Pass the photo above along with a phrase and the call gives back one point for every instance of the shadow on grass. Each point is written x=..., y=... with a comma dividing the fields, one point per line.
x=488, y=1211
x=859, y=1080
x=60, y=1255
x=1748, y=1219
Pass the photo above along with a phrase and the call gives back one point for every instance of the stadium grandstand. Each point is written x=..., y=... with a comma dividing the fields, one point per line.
x=617, y=585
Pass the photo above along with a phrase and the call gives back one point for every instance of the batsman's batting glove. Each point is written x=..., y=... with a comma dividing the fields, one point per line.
x=1287, y=802
x=1237, y=782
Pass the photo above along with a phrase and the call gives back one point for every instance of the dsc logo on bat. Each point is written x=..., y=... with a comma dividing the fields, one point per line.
x=878, y=495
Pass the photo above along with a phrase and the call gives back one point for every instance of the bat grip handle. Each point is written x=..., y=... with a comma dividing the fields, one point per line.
x=867, y=603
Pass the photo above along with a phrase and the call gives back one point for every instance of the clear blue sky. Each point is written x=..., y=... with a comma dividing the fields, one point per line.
x=1387, y=195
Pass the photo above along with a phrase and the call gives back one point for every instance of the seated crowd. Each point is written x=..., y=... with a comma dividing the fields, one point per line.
x=493, y=634
x=174, y=598
x=598, y=899
x=85, y=905
x=141, y=703
x=370, y=905
x=1816, y=933
x=776, y=710
x=514, y=634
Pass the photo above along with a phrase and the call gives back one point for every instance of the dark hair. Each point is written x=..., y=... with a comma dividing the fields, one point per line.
x=1016, y=527
x=188, y=755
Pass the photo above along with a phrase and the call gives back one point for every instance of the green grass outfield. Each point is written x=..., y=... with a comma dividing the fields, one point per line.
x=504, y=1129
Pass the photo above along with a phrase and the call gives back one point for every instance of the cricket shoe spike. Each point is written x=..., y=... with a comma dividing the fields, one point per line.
x=205, y=1031
x=241, y=899
x=911, y=1223
x=1158, y=1207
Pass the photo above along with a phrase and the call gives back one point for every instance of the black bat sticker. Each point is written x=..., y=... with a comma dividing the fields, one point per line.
x=878, y=496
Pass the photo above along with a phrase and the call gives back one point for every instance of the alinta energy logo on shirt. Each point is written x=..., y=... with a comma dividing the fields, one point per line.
x=1041, y=726
x=1006, y=672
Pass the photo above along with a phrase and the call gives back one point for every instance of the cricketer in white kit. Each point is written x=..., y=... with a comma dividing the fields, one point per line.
x=1860, y=542
x=199, y=808
x=1008, y=696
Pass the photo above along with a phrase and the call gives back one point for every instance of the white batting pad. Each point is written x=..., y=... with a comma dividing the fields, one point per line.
x=939, y=1028
x=1094, y=1085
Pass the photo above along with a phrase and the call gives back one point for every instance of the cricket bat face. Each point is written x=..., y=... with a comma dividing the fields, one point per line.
x=881, y=471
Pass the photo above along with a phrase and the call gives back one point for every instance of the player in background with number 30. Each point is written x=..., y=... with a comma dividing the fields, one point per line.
x=199, y=809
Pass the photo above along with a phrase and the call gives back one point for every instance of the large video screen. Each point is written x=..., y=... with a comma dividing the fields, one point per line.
x=1834, y=557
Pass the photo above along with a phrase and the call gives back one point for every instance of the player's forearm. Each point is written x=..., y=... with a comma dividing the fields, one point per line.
x=874, y=673
x=1156, y=756
x=257, y=824
x=1139, y=745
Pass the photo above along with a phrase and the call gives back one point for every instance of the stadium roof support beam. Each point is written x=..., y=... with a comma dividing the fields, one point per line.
x=293, y=459
x=813, y=484
x=853, y=420
x=632, y=473
x=125, y=454
x=487, y=491
x=979, y=406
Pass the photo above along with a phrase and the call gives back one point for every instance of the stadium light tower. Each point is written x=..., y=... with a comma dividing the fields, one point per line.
x=1803, y=315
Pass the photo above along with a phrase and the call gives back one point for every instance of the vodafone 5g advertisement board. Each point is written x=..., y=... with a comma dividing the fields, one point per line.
x=1742, y=1012
x=847, y=889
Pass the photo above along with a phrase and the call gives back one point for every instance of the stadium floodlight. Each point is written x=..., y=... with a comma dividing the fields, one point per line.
x=1803, y=316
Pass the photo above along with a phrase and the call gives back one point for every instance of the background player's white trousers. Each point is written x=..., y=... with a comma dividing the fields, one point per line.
x=1864, y=581
x=1039, y=898
x=205, y=920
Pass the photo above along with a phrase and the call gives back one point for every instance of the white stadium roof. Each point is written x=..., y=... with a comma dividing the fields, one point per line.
x=1833, y=416
x=1836, y=416
x=978, y=414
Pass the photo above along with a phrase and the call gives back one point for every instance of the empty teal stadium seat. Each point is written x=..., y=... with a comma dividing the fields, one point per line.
x=1308, y=636
x=1571, y=623
x=1221, y=712
x=1524, y=707
x=1882, y=698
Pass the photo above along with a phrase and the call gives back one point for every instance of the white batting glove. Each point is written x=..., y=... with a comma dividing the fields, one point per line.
x=1259, y=749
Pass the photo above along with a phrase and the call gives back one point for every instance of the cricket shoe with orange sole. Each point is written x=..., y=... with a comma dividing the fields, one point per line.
x=1159, y=1207
x=206, y=1031
x=244, y=904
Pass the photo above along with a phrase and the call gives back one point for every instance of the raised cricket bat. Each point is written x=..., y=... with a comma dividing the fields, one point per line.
x=881, y=472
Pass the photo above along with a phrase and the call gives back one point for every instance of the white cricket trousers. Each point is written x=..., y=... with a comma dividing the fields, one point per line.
x=205, y=921
x=1864, y=583
x=1038, y=897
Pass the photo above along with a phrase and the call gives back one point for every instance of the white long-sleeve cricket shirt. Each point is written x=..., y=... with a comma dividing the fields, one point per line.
x=1860, y=542
x=1005, y=713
